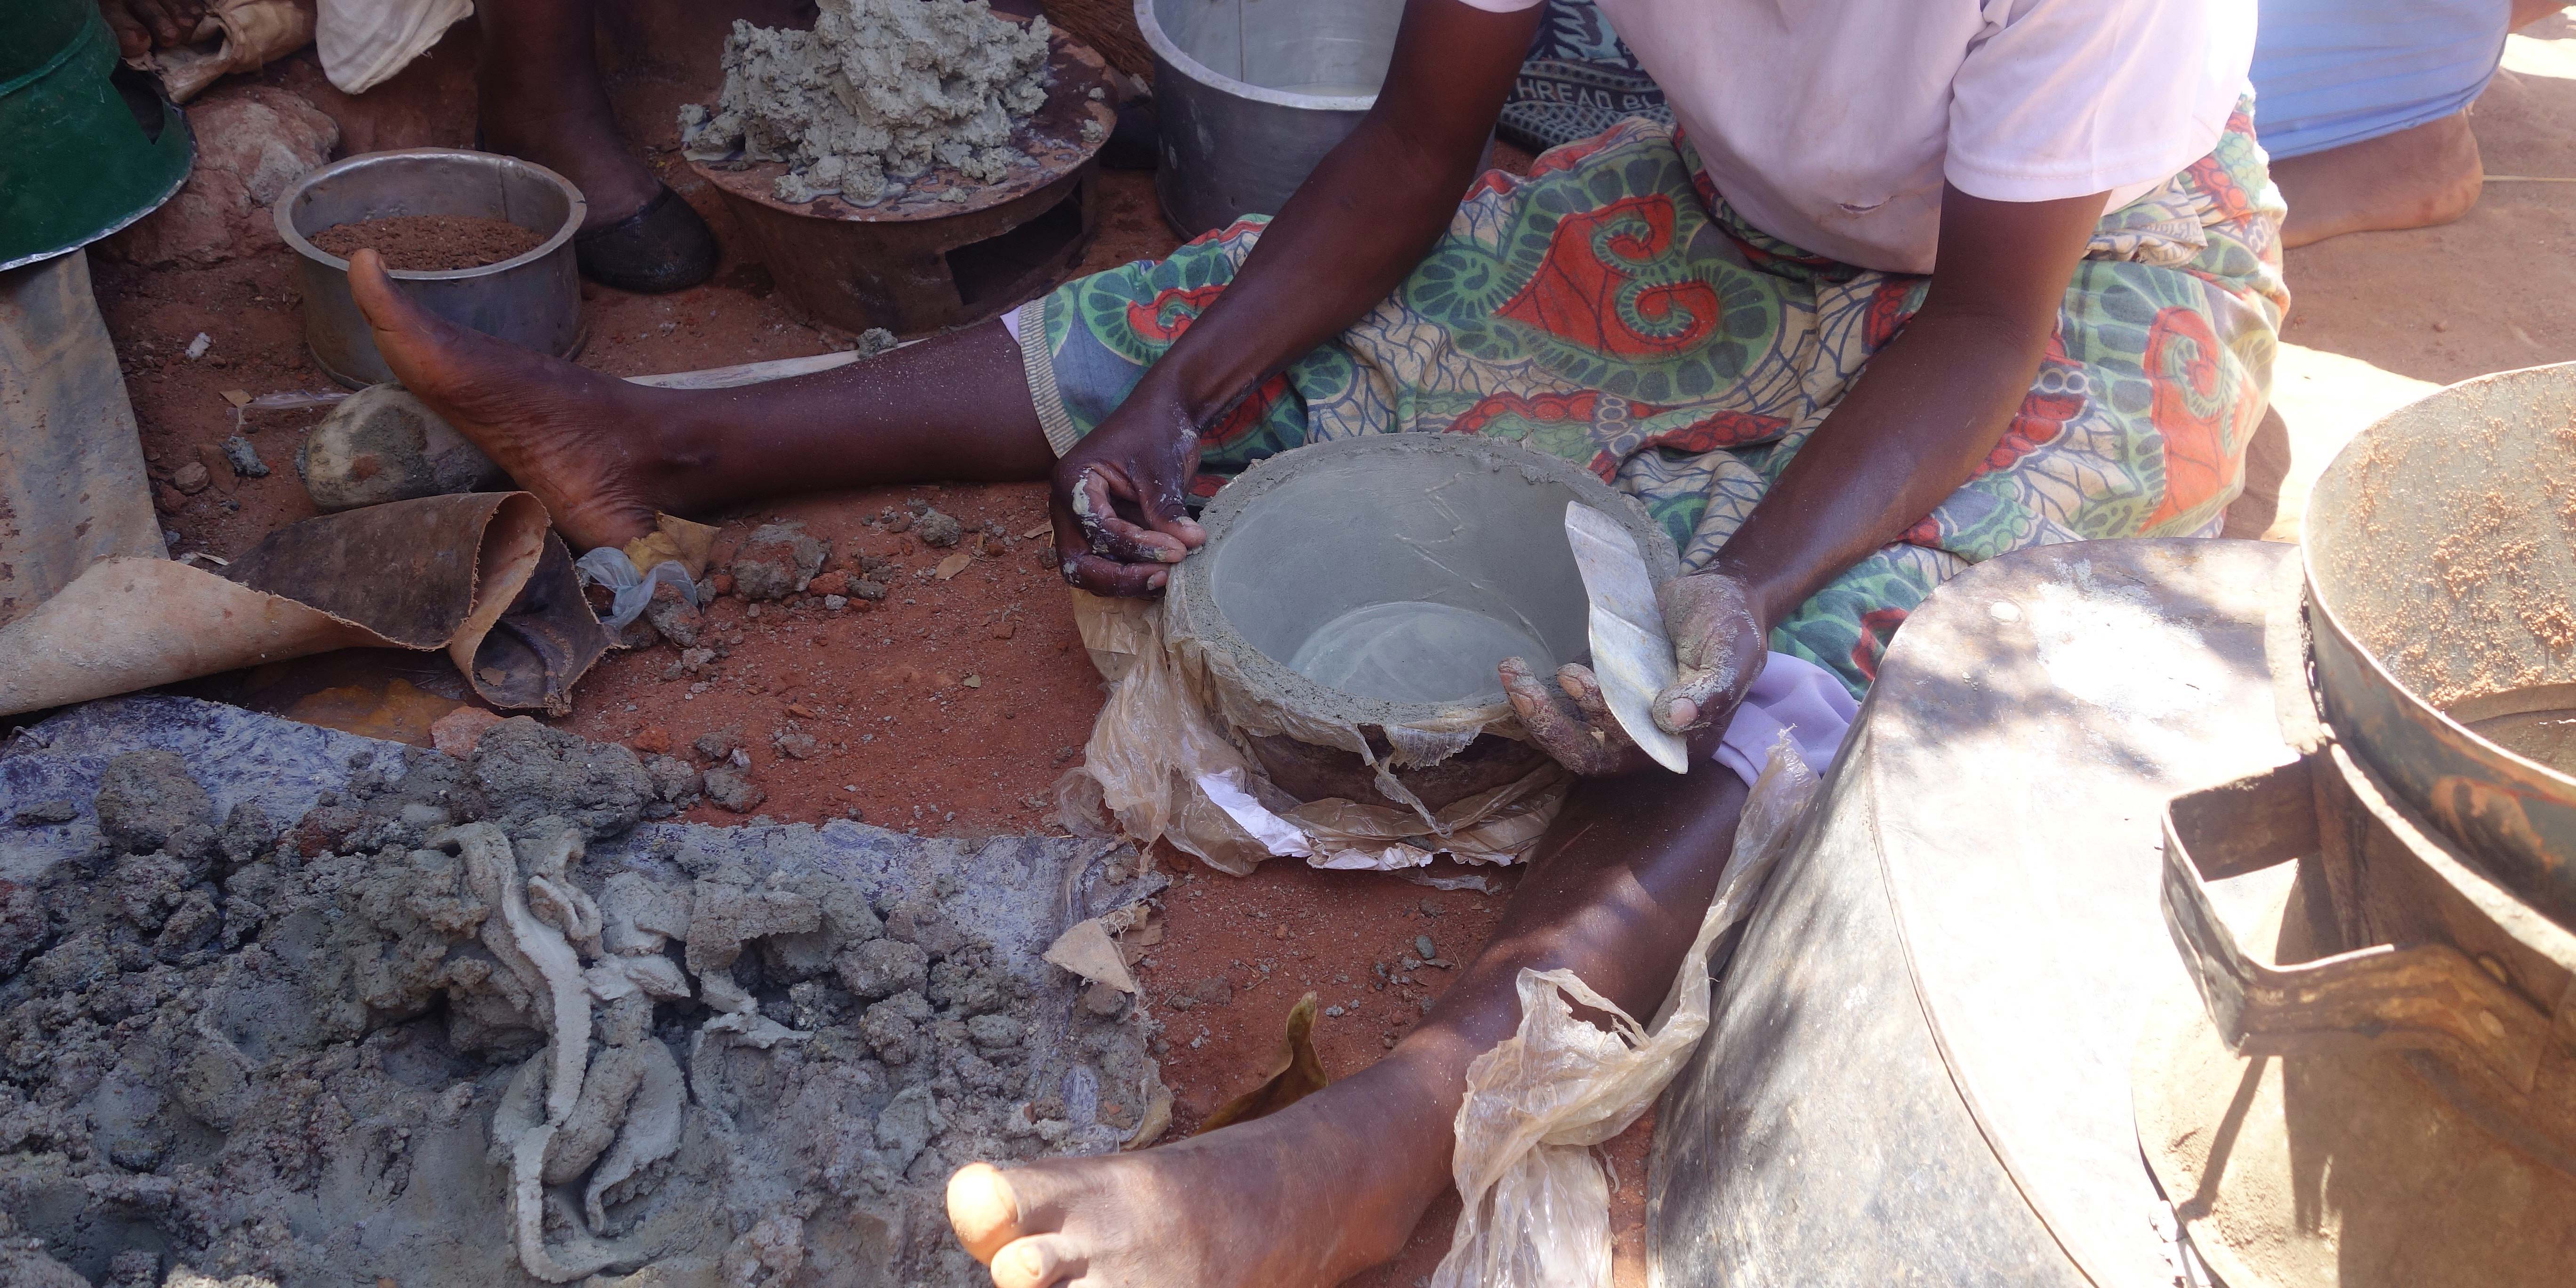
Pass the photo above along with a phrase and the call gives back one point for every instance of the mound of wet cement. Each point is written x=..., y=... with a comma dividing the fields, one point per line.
x=878, y=90
x=468, y=1023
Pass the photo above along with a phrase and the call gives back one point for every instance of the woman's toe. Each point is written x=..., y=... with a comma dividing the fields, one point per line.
x=1039, y=1261
x=983, y=1209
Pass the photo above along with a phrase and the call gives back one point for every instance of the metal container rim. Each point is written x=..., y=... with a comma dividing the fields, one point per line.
x=294, y=237
x=1173, y=56
x=2321, y=602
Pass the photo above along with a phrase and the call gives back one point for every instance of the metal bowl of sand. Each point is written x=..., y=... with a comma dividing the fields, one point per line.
x=531, y=299
x=1354, y=598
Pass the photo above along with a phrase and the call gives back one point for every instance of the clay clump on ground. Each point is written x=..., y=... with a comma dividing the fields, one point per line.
x=877, y=92
x=431, y=243
x=777, y=561
x=424, y=1034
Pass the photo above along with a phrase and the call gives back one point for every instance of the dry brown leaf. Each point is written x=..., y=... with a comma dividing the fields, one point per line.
x=1157, y=1119
x=953, y=565
x=798, y=709
x=1086, y=950
x=1037, y=532
x=237, y=397
x=1296, y=1074
x=675, y=539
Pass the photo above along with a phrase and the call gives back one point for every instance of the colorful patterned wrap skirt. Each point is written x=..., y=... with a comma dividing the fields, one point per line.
x=1611, y=309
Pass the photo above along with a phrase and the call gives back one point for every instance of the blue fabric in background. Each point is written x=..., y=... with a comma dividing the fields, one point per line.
x=2332, y=72
x=2326, y=72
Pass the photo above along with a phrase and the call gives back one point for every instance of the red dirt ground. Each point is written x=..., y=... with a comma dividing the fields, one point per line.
x=903, y=738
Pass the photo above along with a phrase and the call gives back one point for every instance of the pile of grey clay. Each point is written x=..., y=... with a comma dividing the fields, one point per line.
x=475, y=1023
x=879, y=91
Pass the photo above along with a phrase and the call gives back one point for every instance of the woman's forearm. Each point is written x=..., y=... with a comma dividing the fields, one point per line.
x=1927, y=409
x=1918, y=423
x=1366, y=216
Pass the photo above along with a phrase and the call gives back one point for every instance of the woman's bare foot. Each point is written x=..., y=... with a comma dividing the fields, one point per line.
x=1304, y=1198
x=578, y=439
x=2415, y=178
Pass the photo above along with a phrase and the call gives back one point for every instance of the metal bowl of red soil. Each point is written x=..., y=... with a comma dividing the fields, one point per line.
x=482, y=240
x=928, y=258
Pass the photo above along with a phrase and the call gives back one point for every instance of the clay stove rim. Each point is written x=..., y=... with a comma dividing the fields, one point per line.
x=1073, y=70
x=1193, y=593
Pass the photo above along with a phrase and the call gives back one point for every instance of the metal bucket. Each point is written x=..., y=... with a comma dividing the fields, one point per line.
x=1917, y=1071
x=1253, y=93
x=2421, y=1001
x=2439, y=573
x=533, y=301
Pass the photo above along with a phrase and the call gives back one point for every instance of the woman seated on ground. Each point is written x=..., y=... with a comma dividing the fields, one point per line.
x=1914, y=284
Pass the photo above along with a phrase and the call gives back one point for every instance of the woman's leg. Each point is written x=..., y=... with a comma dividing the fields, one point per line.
x=540, y=97
x=605, y=455
x=1334, y=1183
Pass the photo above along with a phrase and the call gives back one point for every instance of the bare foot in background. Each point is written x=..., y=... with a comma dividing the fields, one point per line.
x=2411, y=179
x=540, y=98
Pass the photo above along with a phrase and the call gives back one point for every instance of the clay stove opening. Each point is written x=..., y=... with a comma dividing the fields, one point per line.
x=996, y=266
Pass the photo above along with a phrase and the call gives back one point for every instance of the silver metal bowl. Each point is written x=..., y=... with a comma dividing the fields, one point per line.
x=1252, y=93
x=533, y=301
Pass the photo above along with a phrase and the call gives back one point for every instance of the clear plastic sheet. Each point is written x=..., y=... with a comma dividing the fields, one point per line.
x=1537, y=1206
x=1164, y=762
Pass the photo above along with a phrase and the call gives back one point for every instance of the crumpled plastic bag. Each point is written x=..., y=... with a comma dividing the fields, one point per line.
x=608, y=566
x=1166, y=768
x=1537, y=1207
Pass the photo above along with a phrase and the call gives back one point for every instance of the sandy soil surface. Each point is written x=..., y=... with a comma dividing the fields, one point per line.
x=955, y=705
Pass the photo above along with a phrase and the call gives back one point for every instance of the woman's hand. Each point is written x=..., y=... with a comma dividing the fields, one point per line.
x=1116, y=498
x=142, y=25
x=1358, y=225
x=1720, y=643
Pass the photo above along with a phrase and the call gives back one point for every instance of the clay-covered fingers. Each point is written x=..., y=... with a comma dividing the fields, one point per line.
x=1098, y=495
x=1098, y=573
x=1718, y=646
x=1100, y=548
x=1568, y=720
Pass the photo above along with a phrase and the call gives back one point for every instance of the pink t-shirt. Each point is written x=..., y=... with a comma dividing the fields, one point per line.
x=1831, y=124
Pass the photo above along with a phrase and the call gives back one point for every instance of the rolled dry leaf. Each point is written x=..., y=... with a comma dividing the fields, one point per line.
x=1296, y=1074
x=478, y=576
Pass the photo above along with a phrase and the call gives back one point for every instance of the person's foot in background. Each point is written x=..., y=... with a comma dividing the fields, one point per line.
x=2411, y=179
x=2304, y=73
x=541, y=99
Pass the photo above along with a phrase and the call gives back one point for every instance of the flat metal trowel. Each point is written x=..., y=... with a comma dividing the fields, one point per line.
x=1631, y=655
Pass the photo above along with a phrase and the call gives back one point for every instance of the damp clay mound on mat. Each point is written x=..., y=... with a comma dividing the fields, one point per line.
x=466, y=1023
x=432, y=243
x=878, y=91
